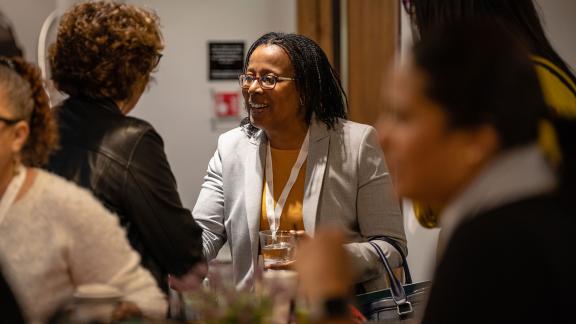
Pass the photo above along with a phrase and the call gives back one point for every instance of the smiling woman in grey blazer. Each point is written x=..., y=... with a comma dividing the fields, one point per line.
x=294, y=97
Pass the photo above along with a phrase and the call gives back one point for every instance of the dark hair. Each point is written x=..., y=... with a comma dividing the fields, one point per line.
x=318, y=84
x=519, y=16
x=23, y=92
x=103, y=48
x=480, y=74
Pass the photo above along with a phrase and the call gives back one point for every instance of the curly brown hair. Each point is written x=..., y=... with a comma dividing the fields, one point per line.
x=23, y=92
x=104, y=48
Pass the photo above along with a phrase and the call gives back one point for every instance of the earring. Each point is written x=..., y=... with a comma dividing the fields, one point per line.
x=301, y=102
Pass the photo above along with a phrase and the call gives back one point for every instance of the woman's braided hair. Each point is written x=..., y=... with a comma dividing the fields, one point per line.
x=321, y=92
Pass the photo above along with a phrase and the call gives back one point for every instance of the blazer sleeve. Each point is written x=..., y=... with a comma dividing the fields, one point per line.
x=378, y=210
x=209, y=208
x=168, y=230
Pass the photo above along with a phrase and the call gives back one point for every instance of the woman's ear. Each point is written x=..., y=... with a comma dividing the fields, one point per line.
x=20, y=132
x=484, y=143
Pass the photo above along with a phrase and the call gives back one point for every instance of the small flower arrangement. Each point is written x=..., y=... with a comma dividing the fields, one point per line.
x=220, y=302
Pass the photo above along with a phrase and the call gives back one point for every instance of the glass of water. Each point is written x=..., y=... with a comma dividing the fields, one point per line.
x=277, y=249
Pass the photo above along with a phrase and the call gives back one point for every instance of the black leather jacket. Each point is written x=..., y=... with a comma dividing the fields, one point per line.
x=121, y=160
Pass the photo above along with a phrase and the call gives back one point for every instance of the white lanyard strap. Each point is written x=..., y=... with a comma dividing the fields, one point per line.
x=274, y=213
x=11, y=192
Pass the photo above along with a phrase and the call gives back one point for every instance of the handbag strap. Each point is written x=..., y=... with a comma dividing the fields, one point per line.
x=394, y=244
x=403, y=306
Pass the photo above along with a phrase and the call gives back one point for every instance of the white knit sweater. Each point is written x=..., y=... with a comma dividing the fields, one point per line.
x=57, y=237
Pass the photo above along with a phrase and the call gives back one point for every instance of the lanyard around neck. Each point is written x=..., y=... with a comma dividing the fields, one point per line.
x=273, y=213
x=11, y=192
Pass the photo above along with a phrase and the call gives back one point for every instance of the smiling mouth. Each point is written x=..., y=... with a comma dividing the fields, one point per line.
x=256, y=107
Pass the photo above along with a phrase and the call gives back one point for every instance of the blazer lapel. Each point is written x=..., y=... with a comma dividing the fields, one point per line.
x=253, y=184
x=315, y=169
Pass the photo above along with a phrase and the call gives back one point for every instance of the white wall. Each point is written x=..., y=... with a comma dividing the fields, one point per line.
x=27, y=17
x=560, y=24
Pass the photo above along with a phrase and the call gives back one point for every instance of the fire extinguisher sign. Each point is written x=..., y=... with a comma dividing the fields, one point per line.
x=226, y=104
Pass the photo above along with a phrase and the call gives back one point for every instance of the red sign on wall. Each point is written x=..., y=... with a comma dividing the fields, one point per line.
x=226, y=104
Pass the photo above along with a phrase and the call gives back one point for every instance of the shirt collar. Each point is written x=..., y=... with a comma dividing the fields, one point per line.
x=513, y=175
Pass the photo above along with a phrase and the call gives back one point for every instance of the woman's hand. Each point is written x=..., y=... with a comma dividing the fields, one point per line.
x=323, y=266
x=289, y=265
x=301, y=236
x=190, y=281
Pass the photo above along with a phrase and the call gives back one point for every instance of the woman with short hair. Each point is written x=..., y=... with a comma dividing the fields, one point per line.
x=103, y=58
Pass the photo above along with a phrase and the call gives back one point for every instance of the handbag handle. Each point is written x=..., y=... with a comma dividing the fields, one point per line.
x=402, y=255
x=403, y=306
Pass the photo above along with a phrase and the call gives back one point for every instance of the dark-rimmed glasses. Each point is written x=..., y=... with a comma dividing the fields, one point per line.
x=158, y=56
x=267, y=81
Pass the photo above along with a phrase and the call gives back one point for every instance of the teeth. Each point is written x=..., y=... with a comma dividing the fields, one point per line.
x=255, y=105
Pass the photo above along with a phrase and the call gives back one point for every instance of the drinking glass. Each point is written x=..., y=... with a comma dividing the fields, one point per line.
x=277, y=249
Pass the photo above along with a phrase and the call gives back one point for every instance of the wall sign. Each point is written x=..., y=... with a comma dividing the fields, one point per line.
x=227, y=104
x=226, y=60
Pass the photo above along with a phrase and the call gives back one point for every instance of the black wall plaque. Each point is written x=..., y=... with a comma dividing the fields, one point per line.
x=226, y=60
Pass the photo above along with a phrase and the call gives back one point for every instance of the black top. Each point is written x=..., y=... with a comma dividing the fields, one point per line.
x=513, y=264
x=10, y=311
x=121, y=160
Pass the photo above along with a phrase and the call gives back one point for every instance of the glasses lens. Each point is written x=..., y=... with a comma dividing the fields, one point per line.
x=157, y=60
x=246, y=80
x=268, y=81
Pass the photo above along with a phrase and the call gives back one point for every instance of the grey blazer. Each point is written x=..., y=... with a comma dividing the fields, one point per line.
x=347, y=185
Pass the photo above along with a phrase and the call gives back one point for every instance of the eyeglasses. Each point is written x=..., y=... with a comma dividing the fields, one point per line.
x=408, y=7
x=8, y=121
x=267, y=81
x=7, y=62
x=157, y=57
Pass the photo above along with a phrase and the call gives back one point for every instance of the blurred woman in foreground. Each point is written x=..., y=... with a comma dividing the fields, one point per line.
x=464, y=137
x=54, y=236
x=520, y=18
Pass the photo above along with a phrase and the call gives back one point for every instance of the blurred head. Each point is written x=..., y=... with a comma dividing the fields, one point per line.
x=314, y=90
x=468, y=93
x=28, y=132
x=520, y=17
x=106, y=49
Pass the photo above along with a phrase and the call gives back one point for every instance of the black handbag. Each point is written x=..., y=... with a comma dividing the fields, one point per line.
x=398, y=304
